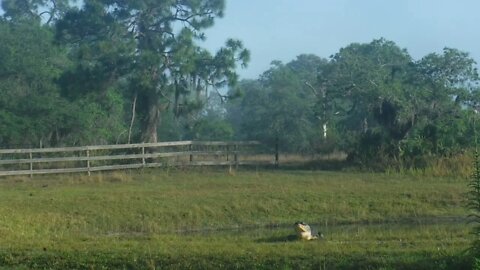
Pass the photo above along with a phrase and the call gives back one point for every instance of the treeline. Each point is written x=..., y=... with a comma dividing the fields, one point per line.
x=372, y=101
x=108, y=71
x=135, y=71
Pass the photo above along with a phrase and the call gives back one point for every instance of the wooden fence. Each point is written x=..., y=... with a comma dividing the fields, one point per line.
x=131, y=156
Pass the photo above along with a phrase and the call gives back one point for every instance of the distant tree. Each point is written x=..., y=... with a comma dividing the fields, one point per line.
x=309, y=68
x=278, y=108
x=151, y=47
x=210, y=129
x=446, y=84
x=373, y=107
x=31, y=108
x=78, y=120
x=32, y=67
x=391, y=108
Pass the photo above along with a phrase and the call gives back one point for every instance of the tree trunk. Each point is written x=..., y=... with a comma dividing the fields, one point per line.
x=365, y=125
x=151, y=123
x=134, y=105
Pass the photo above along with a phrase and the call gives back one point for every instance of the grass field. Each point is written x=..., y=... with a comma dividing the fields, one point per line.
x=210, y=219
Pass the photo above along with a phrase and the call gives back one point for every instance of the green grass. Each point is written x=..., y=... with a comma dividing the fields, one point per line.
x=156, y=219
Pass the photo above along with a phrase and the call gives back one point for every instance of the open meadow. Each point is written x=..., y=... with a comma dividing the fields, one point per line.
x=211, y=219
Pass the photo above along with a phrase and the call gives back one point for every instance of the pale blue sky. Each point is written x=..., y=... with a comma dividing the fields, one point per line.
x=283, y=29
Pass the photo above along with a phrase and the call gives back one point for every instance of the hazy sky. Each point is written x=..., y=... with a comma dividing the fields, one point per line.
x=283, y=29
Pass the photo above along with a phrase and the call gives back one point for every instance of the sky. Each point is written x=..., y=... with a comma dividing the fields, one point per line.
x=284, y=29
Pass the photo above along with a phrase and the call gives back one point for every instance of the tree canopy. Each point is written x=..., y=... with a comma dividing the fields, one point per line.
x=371, y=100
x=152, y=47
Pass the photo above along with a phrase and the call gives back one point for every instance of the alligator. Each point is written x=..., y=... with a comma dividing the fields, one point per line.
x=304, y=231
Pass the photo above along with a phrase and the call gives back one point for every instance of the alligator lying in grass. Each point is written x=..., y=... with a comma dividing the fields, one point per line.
x=304, y=231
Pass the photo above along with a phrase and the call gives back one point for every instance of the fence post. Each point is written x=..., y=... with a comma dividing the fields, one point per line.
x=276, y=153
x=190, y=150
x=230, y=171
x=88, y=162
x=228, y=151
x=143, y=156
x=31, y=164
x=235, y=155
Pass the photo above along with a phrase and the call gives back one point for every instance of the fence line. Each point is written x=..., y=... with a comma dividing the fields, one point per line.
x=107, y=157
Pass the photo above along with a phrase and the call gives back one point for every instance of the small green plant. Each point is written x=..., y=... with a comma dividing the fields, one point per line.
x=474, y=205
x=474, y=202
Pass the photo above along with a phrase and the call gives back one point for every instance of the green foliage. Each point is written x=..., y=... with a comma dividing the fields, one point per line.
x=30, y=104
x=211, y=129
x=371, y=100
x=474, y=204
x=444, y=102
x=34, y=111
x=152, y=47
x=368, y=84
x=278, y=108
x=90, y=121
x=78, y=88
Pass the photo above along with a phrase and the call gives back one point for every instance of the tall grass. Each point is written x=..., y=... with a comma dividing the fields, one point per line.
x=158, y=201
x=459, y=165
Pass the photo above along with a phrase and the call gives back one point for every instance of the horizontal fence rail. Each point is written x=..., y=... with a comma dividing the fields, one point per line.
x=131, y=156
